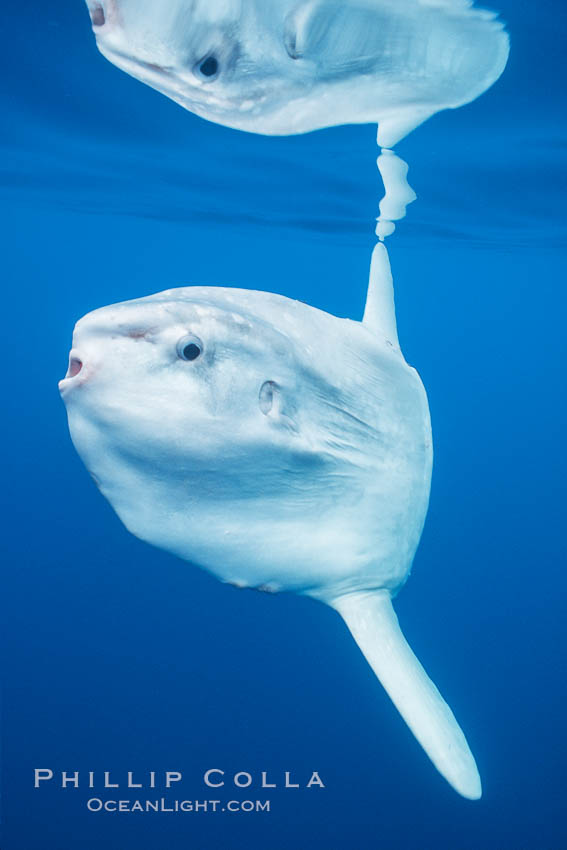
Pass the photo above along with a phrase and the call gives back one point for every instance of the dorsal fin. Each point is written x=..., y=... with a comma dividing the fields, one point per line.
x=379, y=313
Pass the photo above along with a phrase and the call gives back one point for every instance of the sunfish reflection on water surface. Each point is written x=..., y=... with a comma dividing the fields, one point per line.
x=291, y=66
x=278, y=447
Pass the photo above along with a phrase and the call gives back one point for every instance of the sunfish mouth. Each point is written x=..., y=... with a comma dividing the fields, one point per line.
x=106, y=22
x=75, y=366
x=74, y=369
x=98, y=18
x=102, y=13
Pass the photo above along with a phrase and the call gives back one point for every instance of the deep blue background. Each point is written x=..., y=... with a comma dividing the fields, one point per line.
x=120, y=657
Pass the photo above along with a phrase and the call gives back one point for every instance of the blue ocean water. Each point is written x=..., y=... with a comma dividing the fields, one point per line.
x=121, y=658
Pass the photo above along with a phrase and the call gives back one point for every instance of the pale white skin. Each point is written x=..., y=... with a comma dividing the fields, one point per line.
x=291, y=66
x=293, y=453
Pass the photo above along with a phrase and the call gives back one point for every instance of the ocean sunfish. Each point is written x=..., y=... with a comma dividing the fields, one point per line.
x=280, y=448
x=289, y=66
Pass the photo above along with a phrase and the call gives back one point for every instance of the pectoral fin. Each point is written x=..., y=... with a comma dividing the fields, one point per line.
x=374, y=625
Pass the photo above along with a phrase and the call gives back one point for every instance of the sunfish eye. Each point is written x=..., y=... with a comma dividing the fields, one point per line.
x=189, y=348
x=207, y=68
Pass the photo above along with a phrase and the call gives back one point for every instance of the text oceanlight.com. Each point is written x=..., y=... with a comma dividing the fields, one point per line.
x=115, y=783
x=177, y=806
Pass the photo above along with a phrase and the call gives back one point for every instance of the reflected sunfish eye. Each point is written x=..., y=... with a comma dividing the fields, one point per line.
x=189, y=348
x=208, y=68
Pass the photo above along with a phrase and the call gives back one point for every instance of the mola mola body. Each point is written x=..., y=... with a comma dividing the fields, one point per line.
x=290, y=66
x=278, y=447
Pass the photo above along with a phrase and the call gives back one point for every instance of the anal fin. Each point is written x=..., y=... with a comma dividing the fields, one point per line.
x=374, y=625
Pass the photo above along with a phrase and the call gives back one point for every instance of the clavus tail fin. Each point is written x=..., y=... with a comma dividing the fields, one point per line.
x=374, y=626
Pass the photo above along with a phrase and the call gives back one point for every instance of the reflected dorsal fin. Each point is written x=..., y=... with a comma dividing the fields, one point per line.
x=379, y=313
